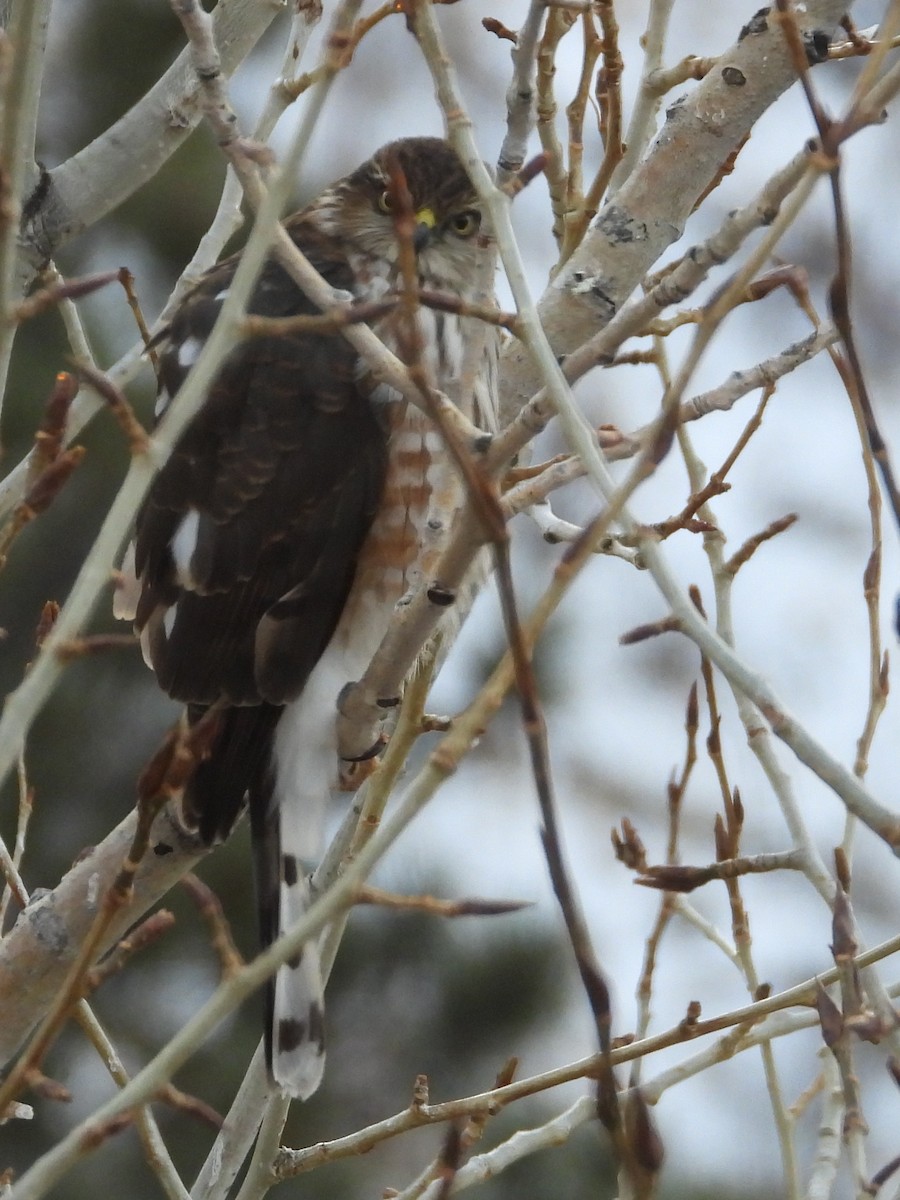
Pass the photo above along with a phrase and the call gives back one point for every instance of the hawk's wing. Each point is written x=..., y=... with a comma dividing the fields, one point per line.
x=247, y=543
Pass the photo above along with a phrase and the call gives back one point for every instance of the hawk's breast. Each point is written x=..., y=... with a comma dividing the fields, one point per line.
x=422, y=489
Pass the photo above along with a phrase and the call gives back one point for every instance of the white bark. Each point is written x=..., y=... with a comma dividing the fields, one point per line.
x=94, y=182
x=38, y=951
x=648, y=212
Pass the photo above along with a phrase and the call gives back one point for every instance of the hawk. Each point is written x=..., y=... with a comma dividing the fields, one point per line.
x=301, y=503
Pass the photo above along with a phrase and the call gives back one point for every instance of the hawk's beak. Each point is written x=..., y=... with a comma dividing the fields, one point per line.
x=426, y=223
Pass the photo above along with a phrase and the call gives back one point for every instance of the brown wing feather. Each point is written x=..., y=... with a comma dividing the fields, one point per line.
x=284, y=466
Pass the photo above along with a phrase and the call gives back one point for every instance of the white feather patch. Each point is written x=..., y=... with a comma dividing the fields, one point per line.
x=305, y=757
x=145, y=646
x=183, y=545
x=189, y=352
x=169, y=619
x=128, y=589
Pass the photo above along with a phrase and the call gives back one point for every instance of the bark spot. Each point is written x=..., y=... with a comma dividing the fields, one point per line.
x=49, y=927
x=758, y=23
x=618, y=225
x=816, y=43
x=440, y=595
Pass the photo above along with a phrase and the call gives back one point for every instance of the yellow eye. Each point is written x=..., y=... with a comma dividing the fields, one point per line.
x=466, y=223
x=385, y=203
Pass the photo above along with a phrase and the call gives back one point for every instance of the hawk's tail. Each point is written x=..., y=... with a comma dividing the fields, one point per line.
x=240, y=769
x=238, y=766
x=295, y=1039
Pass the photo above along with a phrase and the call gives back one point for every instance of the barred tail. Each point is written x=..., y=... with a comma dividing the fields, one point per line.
x=295, y=1043
x=241, y=769
x=287, y=832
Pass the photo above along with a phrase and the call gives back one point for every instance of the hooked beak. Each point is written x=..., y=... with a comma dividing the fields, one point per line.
x=426, y=223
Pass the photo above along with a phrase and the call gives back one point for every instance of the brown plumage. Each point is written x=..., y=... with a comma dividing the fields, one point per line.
x=300, y=504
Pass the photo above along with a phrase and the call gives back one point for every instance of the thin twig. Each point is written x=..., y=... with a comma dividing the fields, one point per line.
x=643, y=116
x=676, y=793
x=294, y=1162
x=21, y=68
x=520, y=95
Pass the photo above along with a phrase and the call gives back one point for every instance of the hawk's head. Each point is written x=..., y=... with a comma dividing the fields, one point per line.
x=358, y=209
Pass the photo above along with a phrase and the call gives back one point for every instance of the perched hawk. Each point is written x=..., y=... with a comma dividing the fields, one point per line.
x=299, y=506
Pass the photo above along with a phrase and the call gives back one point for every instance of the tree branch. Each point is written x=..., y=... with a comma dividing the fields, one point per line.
x=95, y=181
x=649, y=210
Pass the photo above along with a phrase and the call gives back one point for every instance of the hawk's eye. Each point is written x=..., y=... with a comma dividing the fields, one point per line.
x=466, y=223
x=385, y=203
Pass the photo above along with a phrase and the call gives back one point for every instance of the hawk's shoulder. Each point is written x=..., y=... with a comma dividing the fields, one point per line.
x=275, y=295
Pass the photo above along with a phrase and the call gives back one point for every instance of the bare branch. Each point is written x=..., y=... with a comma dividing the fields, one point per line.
x=633, y=232
x=21, y=69
x=87, y=187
